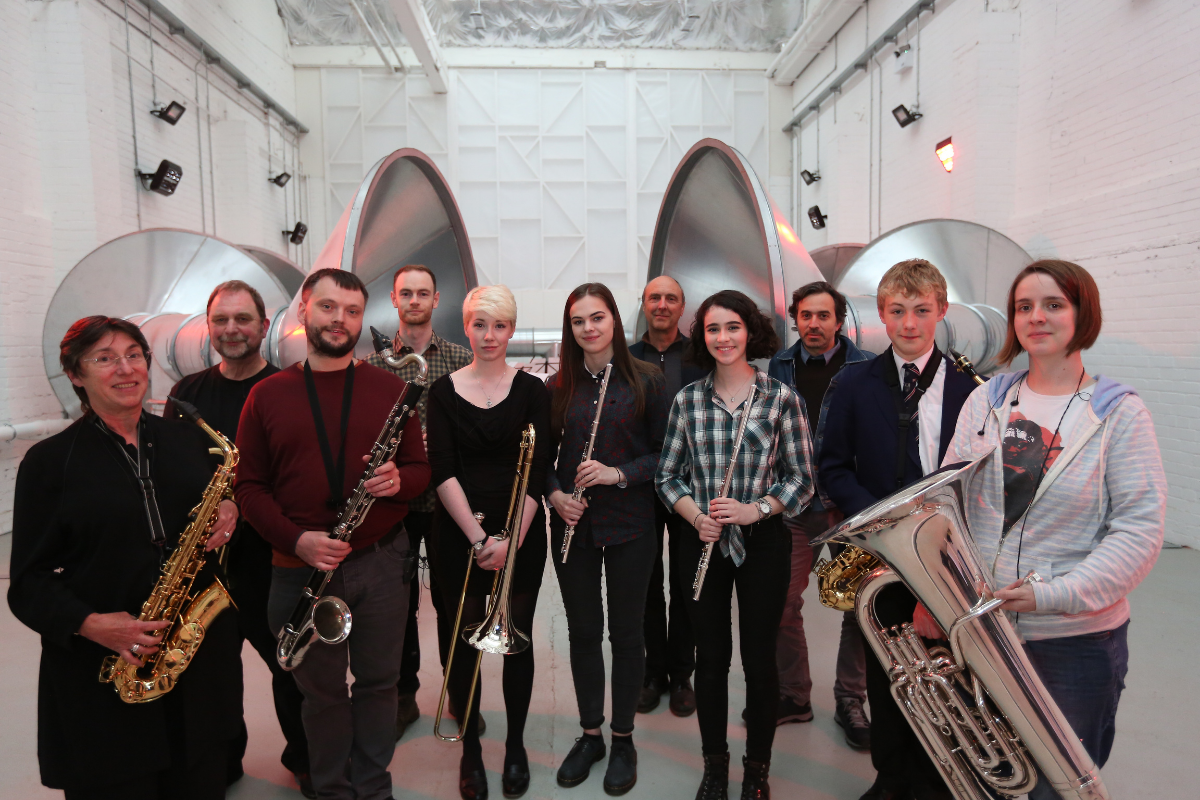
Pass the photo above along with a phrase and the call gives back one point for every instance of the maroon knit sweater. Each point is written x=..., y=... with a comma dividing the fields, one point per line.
x=281, y=486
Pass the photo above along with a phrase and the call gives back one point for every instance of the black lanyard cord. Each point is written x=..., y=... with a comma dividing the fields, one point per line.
x=336, y=475
x=141, y=471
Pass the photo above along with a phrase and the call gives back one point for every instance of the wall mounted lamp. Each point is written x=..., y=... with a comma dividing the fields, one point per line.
x=817, y=218
x=170, y=113
x=164, y=179
x=906, y=117
x=810, y=178
x=945, y=153
x=296, y=234
x=281, y=179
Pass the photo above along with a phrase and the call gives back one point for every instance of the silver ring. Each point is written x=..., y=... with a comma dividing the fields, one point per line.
x=391, y=483
x=134, y=648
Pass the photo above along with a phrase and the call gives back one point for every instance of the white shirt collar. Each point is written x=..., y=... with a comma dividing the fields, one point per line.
x=920, y=361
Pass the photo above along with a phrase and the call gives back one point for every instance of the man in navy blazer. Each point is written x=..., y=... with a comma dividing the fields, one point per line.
x=889, y=423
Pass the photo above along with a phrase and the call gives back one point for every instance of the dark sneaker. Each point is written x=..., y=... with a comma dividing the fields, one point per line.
x=683, y=698
x=652, y=693
x=406, y=713
x=621, y=774
x=578, y=763
x=854, y=723
x=791, y=711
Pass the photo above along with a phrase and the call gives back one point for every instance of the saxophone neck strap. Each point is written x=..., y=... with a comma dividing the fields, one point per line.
x=141, y=471
x=334, y=473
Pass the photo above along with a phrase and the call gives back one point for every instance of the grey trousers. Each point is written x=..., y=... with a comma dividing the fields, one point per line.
x=791, y=648
x=351, y=732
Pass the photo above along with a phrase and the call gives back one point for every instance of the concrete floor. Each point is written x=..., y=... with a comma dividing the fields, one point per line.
x=1155, y=754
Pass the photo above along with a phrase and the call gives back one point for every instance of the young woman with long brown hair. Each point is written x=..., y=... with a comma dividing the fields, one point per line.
x=614, y=521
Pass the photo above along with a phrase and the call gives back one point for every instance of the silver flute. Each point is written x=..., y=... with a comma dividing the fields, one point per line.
x=706, y=556
x=587, y=453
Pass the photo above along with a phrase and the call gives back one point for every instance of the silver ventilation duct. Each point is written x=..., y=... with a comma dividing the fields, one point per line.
x=161, y=279
x=403, y=213
x=832, y=259
x=719, y=229
x=979, y=265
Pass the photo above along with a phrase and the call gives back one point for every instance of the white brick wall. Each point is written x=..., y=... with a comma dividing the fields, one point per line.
x=1075, y=128
x=66, y=156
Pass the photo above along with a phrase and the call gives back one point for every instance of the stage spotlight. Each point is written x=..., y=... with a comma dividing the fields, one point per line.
x=296, y=234
x=281, y=179
x=906, y=117
x=945, y=153
x=816, y=217
x=810, y=178
x=169, y=113
x=164, y=179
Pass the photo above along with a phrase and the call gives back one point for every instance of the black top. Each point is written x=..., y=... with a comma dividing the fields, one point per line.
x=625, y=440
x=677, y=370
x=219, y=399
x=811, y=381
x=81, y=545
x=479, y=447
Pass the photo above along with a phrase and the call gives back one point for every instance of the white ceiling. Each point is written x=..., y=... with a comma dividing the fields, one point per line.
x=735, y=25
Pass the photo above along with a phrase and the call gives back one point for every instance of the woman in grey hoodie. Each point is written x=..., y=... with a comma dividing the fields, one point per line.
x=1075, y=491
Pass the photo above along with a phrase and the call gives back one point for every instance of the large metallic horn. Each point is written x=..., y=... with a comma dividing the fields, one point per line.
x=978, y=707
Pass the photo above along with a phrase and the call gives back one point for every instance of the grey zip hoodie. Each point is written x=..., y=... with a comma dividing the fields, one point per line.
x=1095, y=526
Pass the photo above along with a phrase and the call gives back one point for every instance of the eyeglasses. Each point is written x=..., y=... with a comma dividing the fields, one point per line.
x=111, y=362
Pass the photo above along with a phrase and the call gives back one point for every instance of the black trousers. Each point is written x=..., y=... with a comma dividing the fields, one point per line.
x=762, y=584
x=248, y=568
x=670, y=646
x=626, y=570
x=419, y=524
x=896, y=752
x=202, y=780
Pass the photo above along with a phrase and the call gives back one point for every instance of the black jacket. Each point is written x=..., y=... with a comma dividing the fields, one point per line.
x=690, y=373
x=81, y=544
x=857, y=462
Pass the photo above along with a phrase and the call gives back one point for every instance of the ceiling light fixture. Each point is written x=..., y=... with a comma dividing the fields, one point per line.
x=164, y=179
x=477, y=17
x=281, y=179
x=906, y=117
x=810, y=178
x=816, y=217
x=689, y=24
x=169, y=113
x=945, y=153
x=296, y=234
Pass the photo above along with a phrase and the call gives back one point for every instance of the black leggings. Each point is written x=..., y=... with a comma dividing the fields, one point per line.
x=762, y=585
x=517, y=680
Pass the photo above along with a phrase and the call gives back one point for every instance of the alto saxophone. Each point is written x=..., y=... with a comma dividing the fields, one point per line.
x=185, y=618
x=325, y=617
x=838, y=578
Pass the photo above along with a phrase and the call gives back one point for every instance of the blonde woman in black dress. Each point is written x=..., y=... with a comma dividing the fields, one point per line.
x=476, y=417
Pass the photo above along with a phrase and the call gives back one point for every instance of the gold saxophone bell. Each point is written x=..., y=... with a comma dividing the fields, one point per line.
x=496, y=634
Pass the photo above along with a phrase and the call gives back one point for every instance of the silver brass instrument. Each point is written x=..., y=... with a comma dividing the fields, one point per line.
x=325, y=617
x=977, y=705
x=838, y=578
x=706, y=556
x=587, y=453
x=496, y=634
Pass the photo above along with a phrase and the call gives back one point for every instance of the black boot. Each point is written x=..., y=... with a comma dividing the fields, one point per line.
x=754, y=780
x=715, y=783
x=574, y=770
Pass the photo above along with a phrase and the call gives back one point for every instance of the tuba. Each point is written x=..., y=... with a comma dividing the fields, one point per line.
x=496, y=634
x=185, y=617
x=976, y=704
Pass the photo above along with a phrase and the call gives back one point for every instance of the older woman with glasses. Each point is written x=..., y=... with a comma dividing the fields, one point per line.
x=89, y=539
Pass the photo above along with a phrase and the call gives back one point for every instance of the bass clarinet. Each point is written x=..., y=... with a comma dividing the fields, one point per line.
x=706, y=556
x=328, y=618
x=587, y=453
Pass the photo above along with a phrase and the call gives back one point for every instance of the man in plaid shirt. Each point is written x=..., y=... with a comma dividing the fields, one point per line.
x=415, y=296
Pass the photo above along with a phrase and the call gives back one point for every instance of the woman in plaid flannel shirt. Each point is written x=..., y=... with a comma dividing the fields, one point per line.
x=772, y=475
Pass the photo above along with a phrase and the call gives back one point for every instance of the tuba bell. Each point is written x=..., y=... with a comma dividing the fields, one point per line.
x=976, y=704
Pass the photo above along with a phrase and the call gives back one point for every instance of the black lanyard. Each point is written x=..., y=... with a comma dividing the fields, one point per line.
x=141, y=471
x=335, y=474
x=905, y=411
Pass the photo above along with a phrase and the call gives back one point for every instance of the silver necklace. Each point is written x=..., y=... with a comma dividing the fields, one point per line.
x=487, y=395
x=731, y=397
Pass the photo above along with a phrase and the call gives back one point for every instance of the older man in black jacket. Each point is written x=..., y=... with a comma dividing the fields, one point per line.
x=670, y=648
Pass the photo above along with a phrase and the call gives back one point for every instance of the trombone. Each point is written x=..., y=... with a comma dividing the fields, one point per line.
x=496, y=634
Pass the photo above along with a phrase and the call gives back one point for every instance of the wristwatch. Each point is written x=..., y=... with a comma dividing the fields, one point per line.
x=764, y=508
x=478, y=546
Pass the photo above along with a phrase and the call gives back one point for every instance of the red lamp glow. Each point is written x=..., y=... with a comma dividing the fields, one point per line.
x=785, y=232
x=945, y=153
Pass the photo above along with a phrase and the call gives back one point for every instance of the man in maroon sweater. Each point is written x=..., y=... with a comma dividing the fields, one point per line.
x=302, y=434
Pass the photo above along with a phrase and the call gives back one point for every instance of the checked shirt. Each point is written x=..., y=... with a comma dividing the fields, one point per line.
x=775, y=457
x=443, y=358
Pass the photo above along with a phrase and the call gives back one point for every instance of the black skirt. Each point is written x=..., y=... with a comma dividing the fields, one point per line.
x=448, y=557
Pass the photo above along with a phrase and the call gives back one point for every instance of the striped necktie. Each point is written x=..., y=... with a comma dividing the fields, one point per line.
x=911, y=376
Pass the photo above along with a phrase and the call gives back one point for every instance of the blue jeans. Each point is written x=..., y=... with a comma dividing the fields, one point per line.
x=1085, y=676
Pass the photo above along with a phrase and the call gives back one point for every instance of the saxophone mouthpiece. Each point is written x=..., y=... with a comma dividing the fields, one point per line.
x=187, y=409
x=380, y=341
